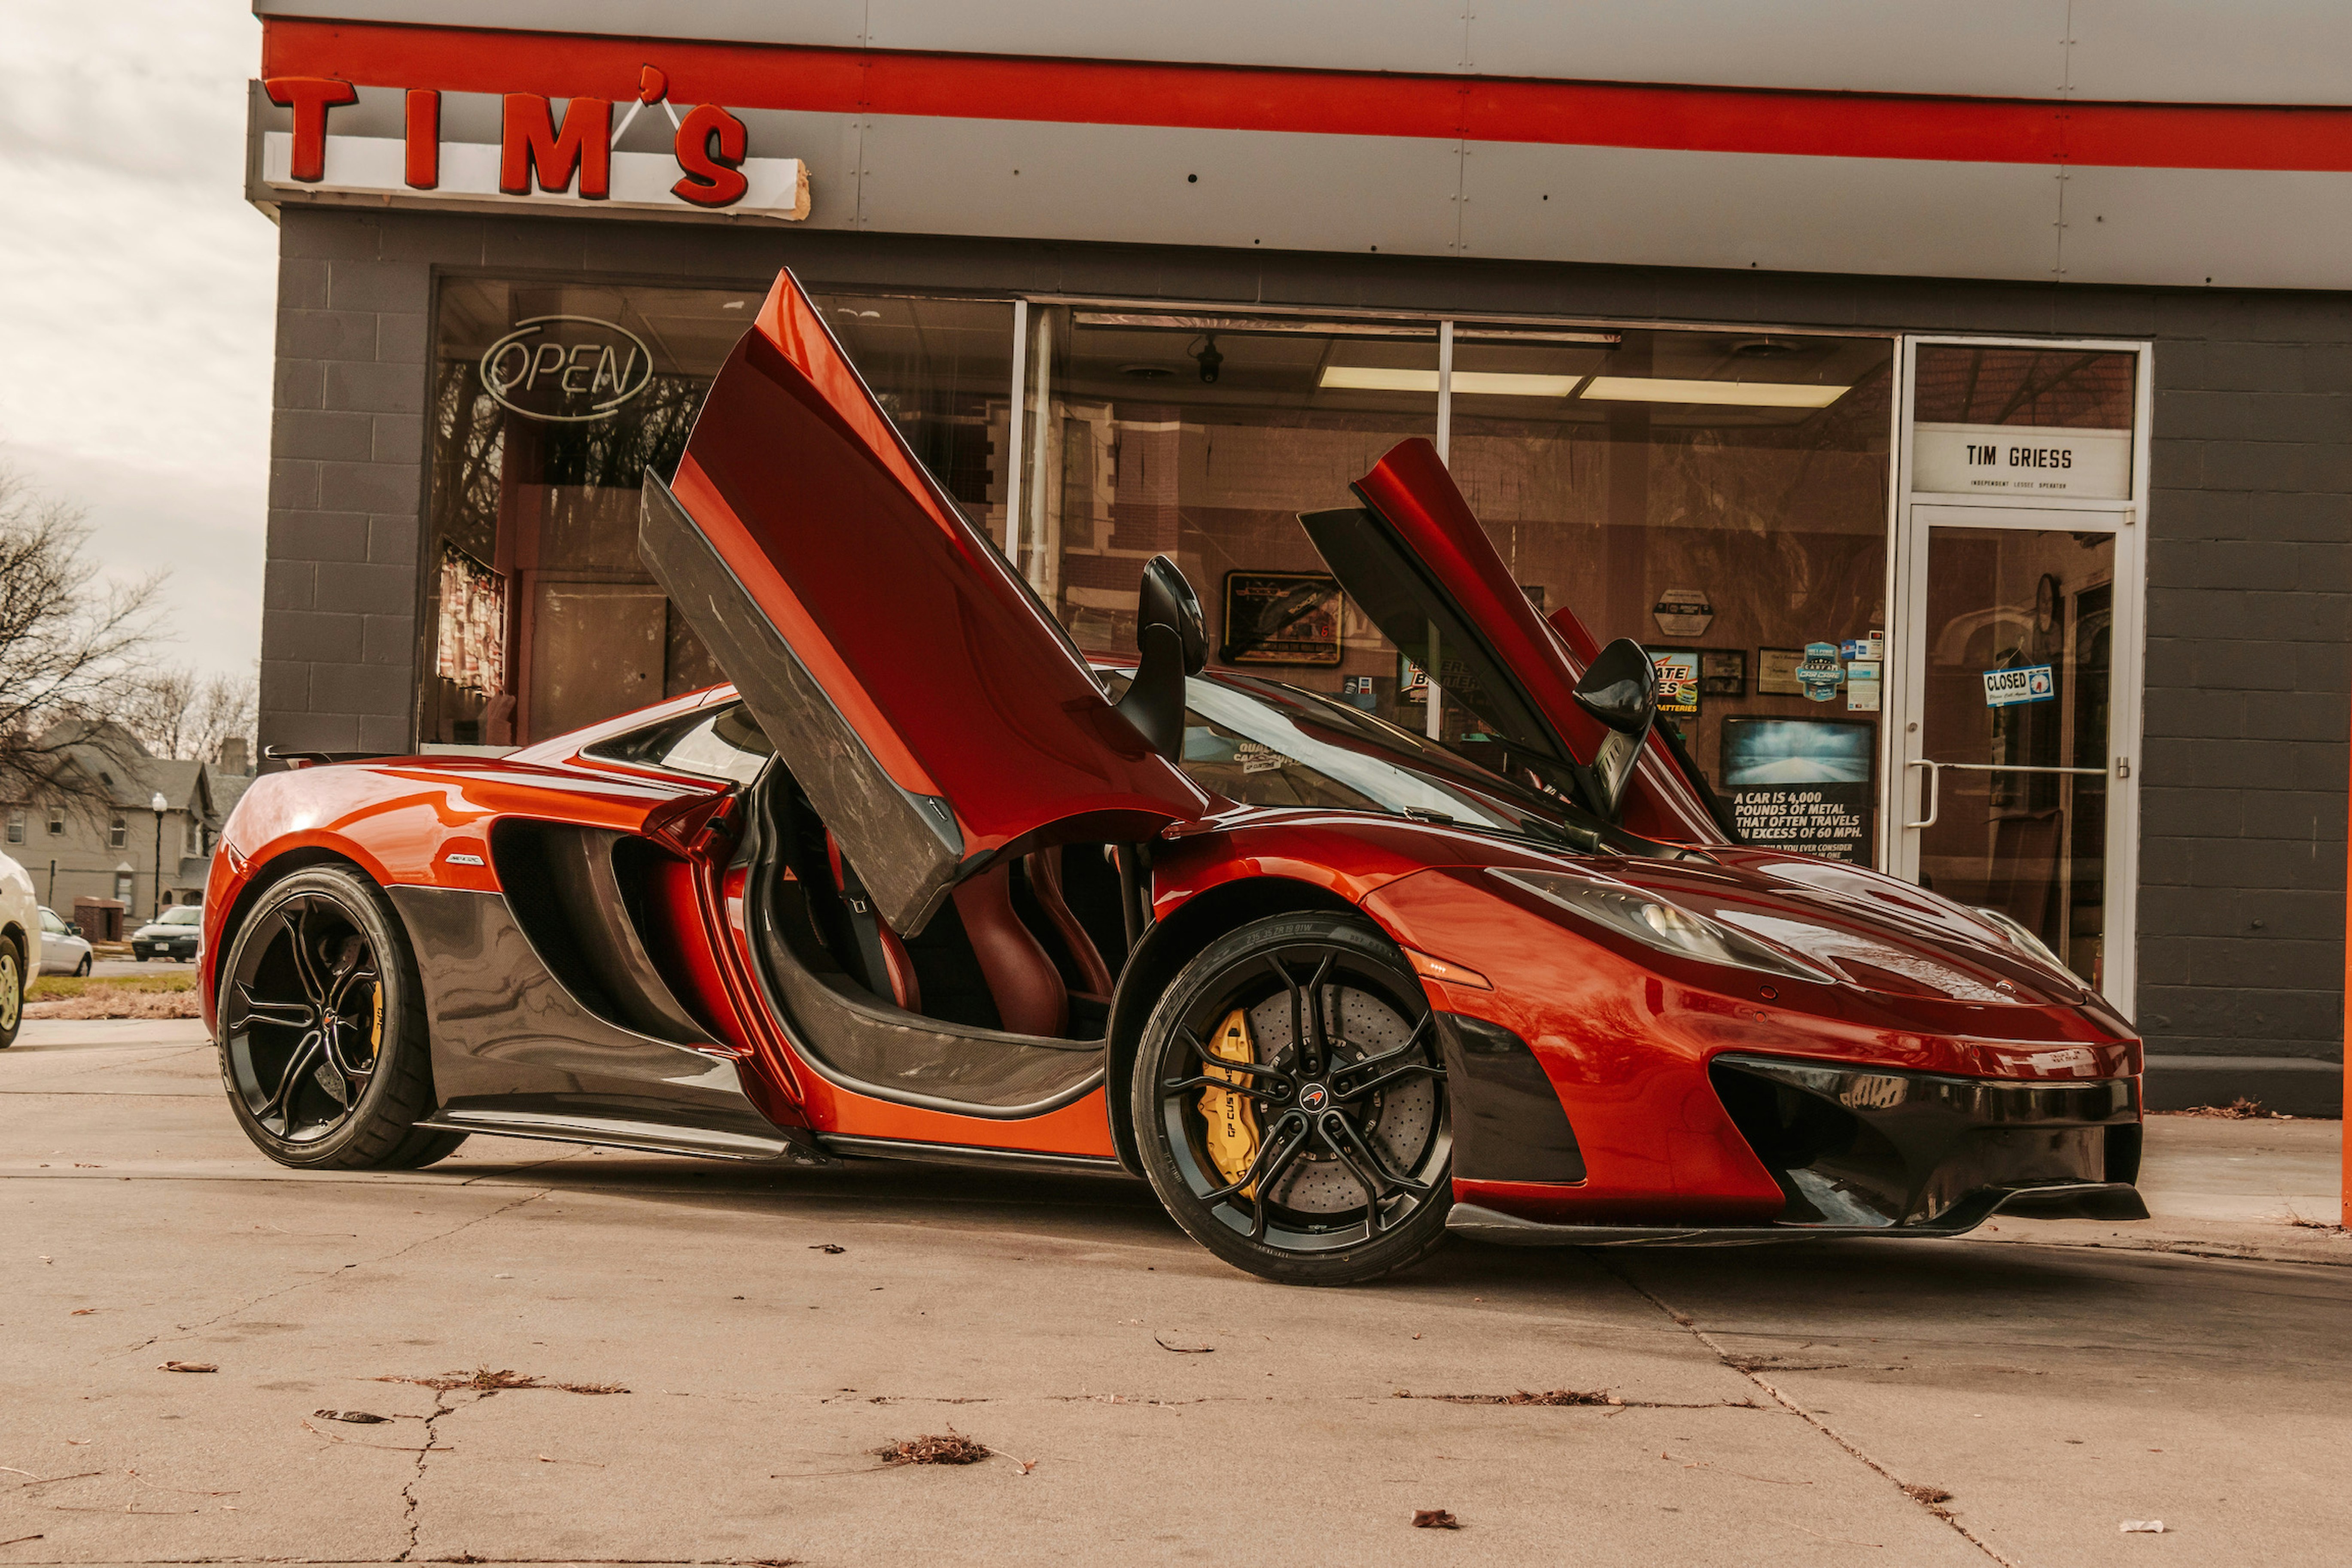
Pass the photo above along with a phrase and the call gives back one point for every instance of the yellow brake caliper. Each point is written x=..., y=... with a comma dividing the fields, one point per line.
x=1233, y=1121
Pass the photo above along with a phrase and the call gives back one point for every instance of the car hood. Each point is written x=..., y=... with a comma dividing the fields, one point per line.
x=1869, y=930
x=154, y=928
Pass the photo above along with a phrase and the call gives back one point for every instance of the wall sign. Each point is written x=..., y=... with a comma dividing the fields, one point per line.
x=1803, y=784
x=1722, y=672
x=540, y=158
x=1677, y=679
x=2021, y=460
x=1284, y=618
x=1820, y=672
x=1776, y=672
x=1684, y=612
x=566, y=370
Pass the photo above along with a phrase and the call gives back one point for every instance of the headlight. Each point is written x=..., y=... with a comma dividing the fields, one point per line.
x=1654, y=922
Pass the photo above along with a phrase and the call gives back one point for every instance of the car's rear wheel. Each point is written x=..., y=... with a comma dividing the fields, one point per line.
x=1290, y=1103
x=12, y=990
x=323, y=1031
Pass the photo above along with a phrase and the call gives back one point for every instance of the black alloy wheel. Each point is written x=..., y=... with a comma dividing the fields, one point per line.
x=1290, y=1103
x=322, y=1029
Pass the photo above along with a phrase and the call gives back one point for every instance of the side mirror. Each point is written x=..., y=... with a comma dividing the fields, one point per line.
x=1171, y=641
x=72, y=929
x=1621, y=690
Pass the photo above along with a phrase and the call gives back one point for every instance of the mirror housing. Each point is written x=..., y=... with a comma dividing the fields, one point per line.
x=1621, y=690
x=1171, y=641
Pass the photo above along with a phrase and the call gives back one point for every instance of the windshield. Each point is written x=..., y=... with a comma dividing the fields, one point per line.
x=1261, y=743
x=186, y=915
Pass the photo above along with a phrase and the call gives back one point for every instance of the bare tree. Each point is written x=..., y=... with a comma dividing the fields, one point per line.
x=176, y=712
x=70, y=648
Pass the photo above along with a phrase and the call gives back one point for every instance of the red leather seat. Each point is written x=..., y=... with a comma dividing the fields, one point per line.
x=1029, y=993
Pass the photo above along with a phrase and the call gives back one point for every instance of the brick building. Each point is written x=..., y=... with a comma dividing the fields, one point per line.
x=1996, y=372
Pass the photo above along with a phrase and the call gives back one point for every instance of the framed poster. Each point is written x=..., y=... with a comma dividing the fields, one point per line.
x=1283, y=618
x=1806, y=785
x=470, y=637
x=1776, y=672
x=1722, y=672
x=1677, y=679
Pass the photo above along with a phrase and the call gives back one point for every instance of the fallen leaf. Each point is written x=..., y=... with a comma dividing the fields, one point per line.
x=356, y=1417
x=187, y=1366
x=1927, y=1494
x=82, y=1312
x=1435, y=1518
x=827, y=1247
x=482, y=1380
x=951, y=1447
x=1184, y=1349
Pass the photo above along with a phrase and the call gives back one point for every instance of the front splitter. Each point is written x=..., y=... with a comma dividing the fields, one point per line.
x=2072, y=1200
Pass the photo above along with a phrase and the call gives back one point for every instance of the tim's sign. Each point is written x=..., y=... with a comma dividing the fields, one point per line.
x=541, y=156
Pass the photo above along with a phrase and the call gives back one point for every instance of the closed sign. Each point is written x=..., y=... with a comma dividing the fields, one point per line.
x=2025, y=683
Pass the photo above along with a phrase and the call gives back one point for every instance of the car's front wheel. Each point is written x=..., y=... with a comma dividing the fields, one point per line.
x=82, y=970
x=322, y=1031
x=1290, y=1103
x=12, y=990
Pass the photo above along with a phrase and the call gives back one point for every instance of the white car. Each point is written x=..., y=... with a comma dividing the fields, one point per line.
x=64, y=950
x=20, y=927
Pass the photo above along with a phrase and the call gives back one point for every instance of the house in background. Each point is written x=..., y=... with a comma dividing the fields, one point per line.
x=108, y=846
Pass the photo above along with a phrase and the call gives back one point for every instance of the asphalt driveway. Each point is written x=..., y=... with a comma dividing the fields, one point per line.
x=770, y=1328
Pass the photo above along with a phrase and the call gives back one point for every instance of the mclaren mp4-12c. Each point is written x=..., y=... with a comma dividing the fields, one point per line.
x=925, y=883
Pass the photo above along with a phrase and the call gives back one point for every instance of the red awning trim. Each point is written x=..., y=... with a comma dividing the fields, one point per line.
x=1352, y=103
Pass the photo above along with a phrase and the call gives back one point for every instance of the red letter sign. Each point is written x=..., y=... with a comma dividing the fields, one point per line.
x=532, y=145
x=424, y=131
x=710, y=147
x=309, y=97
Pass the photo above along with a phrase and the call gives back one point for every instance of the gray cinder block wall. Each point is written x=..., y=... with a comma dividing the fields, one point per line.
x=2243, y=783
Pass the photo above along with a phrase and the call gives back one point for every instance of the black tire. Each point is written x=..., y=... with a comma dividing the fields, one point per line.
x=81, y=971
x=1366, y=1190
x=14, y=981
x=325, y=944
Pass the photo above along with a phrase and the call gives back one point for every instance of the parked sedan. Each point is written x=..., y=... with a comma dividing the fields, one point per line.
x=63, y=949
x=171, y=935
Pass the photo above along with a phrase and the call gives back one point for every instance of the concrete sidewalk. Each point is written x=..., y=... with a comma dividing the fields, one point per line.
x=1145, y=1402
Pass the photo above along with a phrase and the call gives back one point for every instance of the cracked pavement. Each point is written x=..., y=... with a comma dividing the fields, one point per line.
x=1777, y=1403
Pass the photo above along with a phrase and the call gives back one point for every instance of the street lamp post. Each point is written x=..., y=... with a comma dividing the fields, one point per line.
x=159, y=806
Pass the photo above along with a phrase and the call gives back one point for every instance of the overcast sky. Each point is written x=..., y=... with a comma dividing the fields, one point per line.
x=136, y=290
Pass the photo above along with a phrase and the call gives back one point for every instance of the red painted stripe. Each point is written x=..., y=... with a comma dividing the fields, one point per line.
x=1234, y=98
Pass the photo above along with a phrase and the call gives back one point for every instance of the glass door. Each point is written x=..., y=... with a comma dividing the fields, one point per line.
x=2015, y=663
x=2009, y=769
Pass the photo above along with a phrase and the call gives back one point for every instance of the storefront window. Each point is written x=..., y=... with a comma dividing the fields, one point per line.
x=552, y=402
x=1202, y=437
x=1719, y=497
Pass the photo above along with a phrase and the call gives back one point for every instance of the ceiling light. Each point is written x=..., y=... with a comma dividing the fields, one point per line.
x=1734, y=394
x=1466, y=383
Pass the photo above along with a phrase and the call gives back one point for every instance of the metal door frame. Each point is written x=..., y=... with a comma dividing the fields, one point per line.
x=1901, y=787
